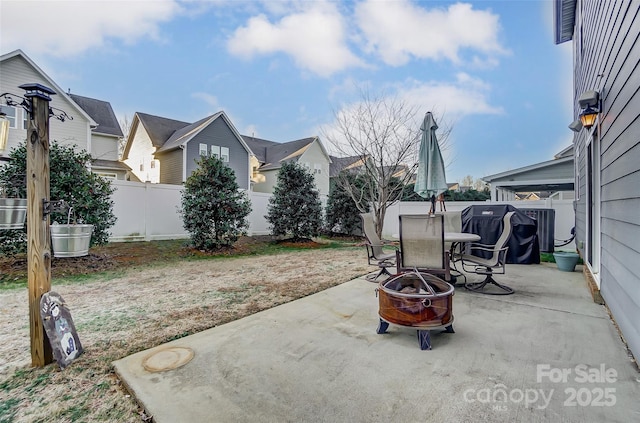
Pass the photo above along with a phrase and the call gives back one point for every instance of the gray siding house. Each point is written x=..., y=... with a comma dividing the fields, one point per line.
x=161, y=150
x=606, y=59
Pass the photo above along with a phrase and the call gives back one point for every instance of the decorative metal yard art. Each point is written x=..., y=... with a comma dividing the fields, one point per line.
x=36, y=103
x=430, y=177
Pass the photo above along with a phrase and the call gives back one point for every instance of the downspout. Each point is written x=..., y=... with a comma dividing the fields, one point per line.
x=183, y=147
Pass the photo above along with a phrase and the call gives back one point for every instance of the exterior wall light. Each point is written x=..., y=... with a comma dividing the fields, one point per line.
x=589, y=101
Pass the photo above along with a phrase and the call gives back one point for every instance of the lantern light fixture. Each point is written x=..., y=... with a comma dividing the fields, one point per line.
x=590, y=104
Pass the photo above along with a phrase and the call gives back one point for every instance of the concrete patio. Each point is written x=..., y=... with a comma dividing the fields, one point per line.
x=546, y=353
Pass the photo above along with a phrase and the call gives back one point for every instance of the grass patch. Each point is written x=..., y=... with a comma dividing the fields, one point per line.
x=149, y=294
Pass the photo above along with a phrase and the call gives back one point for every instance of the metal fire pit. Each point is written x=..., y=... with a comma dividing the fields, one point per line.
x=419, y=300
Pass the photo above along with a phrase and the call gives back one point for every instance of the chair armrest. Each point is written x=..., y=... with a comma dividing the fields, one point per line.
x=491, y=248
x=382, y=244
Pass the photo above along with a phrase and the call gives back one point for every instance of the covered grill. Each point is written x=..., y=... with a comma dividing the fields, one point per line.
x=416, y=299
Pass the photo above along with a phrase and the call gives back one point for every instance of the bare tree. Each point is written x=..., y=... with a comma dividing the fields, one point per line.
x=383, y=135
x=125, y=125
x=467, y=181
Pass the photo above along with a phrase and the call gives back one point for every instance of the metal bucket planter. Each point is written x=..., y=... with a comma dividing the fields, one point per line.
x=13, y=212
x=70, y=240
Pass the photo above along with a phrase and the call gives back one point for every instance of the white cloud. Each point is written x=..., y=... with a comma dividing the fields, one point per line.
x=314, y=38
x=209, y=99
x=464, y=96
x=400, y=30
x=65, y=28
x=450, y=101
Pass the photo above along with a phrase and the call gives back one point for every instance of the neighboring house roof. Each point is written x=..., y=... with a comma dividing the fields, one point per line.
x=338, y=164
x=169, y=134
x=101, y=112
x=258, y=146
x=272, y=154
x=186, y=133
x=109, y=164
x=59, y=91
x=159, y=129
x=285, y=152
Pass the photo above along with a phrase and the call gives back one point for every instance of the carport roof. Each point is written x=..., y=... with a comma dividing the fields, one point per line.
x=552, y=175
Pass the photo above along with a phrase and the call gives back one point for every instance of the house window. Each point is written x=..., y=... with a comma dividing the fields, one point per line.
x=107, y=175
x=141, y=167
x=203, y=149
x=224, y=154
x=25, y=119
x=11, y=115
x=215, y=151
x=153, y=164
x=317, y=168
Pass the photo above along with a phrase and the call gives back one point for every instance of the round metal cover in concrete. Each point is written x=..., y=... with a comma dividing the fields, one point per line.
x=167, y=359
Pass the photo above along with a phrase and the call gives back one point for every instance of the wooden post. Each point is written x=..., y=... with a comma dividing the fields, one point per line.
x=38, y=232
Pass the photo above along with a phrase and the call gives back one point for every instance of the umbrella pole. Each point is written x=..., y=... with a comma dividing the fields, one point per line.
x=433, y=205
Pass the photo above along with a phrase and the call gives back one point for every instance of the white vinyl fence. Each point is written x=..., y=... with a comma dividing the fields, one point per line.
x=149, y=212
x=564, y=214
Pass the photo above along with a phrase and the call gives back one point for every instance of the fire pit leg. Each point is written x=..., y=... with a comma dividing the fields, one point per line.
x=424, y=336
x=382, y=327
x=449, y=329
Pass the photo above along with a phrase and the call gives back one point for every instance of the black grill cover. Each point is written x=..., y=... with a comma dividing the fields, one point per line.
x=486, y=221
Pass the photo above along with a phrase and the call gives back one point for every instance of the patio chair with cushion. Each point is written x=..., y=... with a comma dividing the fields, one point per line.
x=494, y=264
x=422, y=245
x=376, y=255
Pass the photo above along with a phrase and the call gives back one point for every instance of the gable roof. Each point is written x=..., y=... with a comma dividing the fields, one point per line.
x=55, y=87
x=186, y=133
x=159, y=129
x=168, y=134
x=258, y=146
x=338, y=164
x=272, y=154
x=101, y=112
x=285, y=152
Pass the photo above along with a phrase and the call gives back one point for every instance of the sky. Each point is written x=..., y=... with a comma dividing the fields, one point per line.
x=281, y=69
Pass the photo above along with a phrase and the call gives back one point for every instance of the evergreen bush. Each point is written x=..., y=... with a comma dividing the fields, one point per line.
x=294, y=208
x=342, y=213
x=214, y=211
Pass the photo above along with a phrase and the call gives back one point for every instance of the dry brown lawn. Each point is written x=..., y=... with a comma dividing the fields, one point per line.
x=117, y=314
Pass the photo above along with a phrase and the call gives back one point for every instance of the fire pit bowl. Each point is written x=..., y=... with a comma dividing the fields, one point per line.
x=416, y=299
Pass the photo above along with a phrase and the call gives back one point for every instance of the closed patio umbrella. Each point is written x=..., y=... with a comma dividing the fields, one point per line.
x=430, y=178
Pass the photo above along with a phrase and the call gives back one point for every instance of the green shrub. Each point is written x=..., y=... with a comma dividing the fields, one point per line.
x=214, y=211
x=71, y=181
x=294, y=208
x=342, y=214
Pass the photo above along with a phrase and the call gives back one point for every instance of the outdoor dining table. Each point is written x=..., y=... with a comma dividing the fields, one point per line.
x=458, y=240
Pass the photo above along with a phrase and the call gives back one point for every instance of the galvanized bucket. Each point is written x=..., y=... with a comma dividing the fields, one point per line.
x=13, y=212
x=70, y=240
